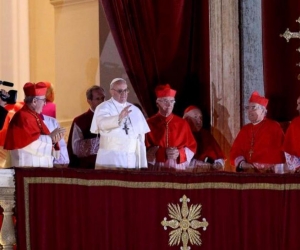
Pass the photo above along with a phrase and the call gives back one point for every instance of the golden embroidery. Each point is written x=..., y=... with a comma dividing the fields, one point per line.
x=184, y=222
x=253, y=135
x=38, y=121
x=167, y=129
x=168, y=185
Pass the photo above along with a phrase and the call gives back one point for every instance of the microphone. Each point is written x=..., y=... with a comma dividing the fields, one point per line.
x=5, y=83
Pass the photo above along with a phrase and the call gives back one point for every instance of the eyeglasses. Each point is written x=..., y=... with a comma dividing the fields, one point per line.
x=170, y=102
x=251, y=108
x=40, y=99
x=120, y=91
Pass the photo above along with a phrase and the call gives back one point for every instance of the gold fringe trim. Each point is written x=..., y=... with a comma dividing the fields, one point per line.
x=168, y=185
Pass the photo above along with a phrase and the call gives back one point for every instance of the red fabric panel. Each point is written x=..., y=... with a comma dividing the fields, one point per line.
x=105, y=209
x=25, y=127
x=280, y=57
x=171, y=137
x=163, y=42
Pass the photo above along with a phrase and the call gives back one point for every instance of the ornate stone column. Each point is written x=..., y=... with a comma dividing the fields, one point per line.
x=7, y=202
x=251, y=50
x=225, y=72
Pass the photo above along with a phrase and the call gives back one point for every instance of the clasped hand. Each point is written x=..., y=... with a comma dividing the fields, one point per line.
x=172, y=153
x=217, y=166
x=247, y=166
x=57, y=134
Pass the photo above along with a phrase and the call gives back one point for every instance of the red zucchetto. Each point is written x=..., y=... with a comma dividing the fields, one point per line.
x=164, y=91
x=35, y=89
x=190, y=108
x=256, y=98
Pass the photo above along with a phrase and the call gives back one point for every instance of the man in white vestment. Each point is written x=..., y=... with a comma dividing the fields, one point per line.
x=122, y=127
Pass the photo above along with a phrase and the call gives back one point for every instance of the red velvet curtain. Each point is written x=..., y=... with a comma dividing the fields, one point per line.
x=280, y=57
x=163, y=42
x=112, y=210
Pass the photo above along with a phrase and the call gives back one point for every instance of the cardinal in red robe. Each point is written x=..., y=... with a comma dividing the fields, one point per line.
x=291, y=146
x=209, y=155
x=170, y=143
x=258, y=145
x=28, y=139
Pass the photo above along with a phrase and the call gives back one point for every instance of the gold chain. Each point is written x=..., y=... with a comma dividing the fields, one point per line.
x=167, y=127
x=38, y=121
x=252, y=139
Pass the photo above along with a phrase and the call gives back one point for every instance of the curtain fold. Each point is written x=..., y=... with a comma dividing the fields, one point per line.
x=280, y=57
x=163, y=42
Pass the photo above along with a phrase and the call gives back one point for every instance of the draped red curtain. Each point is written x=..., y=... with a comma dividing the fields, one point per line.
x=280, y=57
x=163, y=42
x=114, y=210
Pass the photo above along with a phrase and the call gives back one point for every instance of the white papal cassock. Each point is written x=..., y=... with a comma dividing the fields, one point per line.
x=122, y=143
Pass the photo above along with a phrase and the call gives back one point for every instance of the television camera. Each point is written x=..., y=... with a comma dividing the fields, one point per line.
x=12, y=98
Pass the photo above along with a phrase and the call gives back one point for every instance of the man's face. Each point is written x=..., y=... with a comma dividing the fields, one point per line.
x=194, y=119
x=119, y=91
x=165, y=105
x=98, y=98
x=255, y=112
x=38, y=103
x=298, y=105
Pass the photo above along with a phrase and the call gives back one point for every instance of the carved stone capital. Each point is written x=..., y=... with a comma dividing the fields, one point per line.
x=7, y=178
x=7, y=205
x=7, y=194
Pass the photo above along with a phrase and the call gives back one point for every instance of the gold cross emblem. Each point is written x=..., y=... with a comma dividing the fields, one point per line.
x=185, y=223
x=288, y=34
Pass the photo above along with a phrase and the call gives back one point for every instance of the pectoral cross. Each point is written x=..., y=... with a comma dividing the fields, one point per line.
x=251, y=145
x=250, y=153
x=125, y=127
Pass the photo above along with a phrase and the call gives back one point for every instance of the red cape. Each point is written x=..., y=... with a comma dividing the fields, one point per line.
x=25, y=127
x=292, y=137
x=267, y=143
x=179, y=135
x=207, y=146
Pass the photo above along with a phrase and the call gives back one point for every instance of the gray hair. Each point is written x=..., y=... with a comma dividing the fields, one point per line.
x=28, y=99
x=262, y=107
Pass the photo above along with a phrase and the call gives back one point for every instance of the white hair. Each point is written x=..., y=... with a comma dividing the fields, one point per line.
x=116, y=80
x=262, y=107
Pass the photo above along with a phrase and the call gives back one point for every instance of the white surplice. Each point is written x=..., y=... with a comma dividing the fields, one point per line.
x=35, y=154
x=40, y=153
x=118, y=148
x=63, y=158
